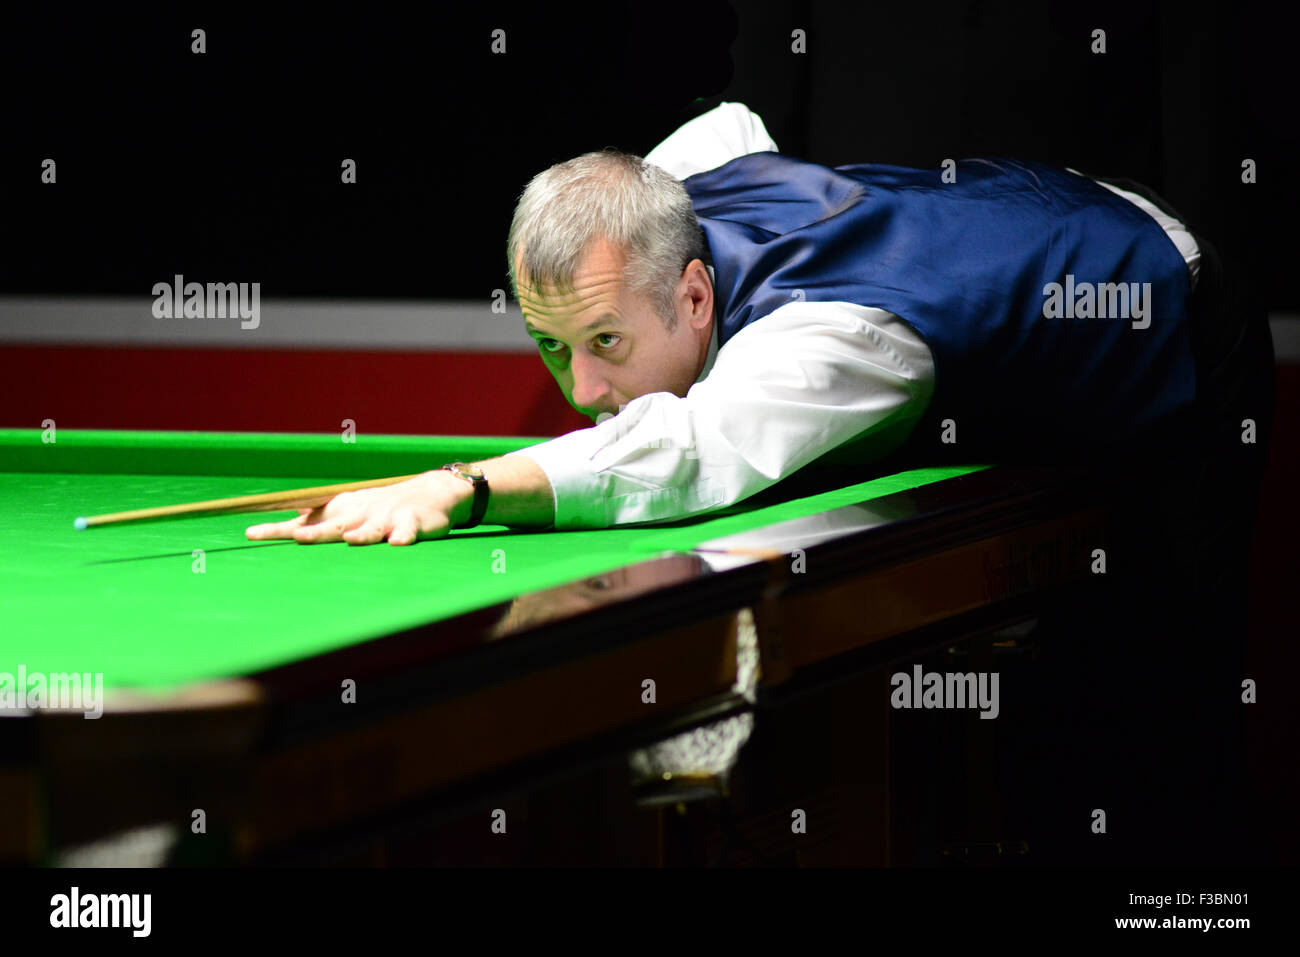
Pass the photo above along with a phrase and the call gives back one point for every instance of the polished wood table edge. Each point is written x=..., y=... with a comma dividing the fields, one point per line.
x=265, y=838
x=460, y=647
x=982, y=528
x=501, y=723
x=290, y=787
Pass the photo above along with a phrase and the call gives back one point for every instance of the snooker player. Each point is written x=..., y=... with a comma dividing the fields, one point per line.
x=729, y=316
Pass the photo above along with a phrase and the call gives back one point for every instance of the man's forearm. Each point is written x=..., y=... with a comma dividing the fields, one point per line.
x=520, y=494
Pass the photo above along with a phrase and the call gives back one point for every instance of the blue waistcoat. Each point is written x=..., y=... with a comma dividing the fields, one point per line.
x=1022, y=371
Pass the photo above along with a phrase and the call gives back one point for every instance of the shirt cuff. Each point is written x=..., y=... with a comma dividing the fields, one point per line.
x=567, y=467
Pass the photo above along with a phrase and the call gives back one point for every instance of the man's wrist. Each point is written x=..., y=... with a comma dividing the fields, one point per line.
x=457, y=495
x=521, y=495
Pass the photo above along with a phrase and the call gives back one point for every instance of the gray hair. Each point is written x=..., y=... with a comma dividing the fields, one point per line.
x=608, y=195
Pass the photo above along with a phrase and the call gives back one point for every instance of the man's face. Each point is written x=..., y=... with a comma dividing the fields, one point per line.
x=606, y=345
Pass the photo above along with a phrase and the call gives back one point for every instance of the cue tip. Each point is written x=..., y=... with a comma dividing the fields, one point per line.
x=79, y=524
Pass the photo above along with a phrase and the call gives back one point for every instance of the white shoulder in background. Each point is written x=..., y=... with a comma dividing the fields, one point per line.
x=712, y=139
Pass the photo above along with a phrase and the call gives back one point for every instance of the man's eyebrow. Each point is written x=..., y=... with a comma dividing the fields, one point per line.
x=609, y=319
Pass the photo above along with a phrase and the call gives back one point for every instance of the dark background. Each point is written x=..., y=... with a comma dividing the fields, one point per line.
x=225, y=166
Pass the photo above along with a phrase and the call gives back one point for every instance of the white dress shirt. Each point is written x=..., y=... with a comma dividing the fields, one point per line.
x=784, y=391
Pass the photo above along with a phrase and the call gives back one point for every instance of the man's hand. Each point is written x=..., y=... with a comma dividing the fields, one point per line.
x=423, y=507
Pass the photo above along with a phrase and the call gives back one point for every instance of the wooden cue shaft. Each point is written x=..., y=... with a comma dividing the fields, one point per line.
x=264, y=502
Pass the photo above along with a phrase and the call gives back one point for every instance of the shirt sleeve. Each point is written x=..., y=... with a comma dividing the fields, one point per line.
x=712, y=139
x=803, y=381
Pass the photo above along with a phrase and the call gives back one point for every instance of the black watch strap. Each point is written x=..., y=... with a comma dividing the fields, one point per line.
x=476, y=478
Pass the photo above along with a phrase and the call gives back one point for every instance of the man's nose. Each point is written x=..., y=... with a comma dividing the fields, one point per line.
x=590, y=390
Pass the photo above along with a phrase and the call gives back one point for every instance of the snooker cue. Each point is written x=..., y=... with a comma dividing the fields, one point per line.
x=263, y=502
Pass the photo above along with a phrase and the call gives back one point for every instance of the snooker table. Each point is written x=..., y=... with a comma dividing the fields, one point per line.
x=267, y=701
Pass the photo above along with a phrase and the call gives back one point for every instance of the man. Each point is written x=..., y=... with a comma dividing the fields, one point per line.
x=732, y=317
x=989, y=311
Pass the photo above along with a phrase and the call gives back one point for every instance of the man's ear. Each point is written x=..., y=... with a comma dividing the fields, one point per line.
x=697, y=277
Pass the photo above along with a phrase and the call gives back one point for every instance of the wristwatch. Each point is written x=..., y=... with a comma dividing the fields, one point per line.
x=475, y=477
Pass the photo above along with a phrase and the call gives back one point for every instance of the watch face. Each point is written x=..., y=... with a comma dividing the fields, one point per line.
x=464, y=469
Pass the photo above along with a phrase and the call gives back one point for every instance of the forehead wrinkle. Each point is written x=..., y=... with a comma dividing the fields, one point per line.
x=590, y=286
x=545, y=306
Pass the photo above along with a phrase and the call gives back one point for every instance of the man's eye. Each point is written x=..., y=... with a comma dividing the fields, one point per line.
x=608, y=335
x=550, y=345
